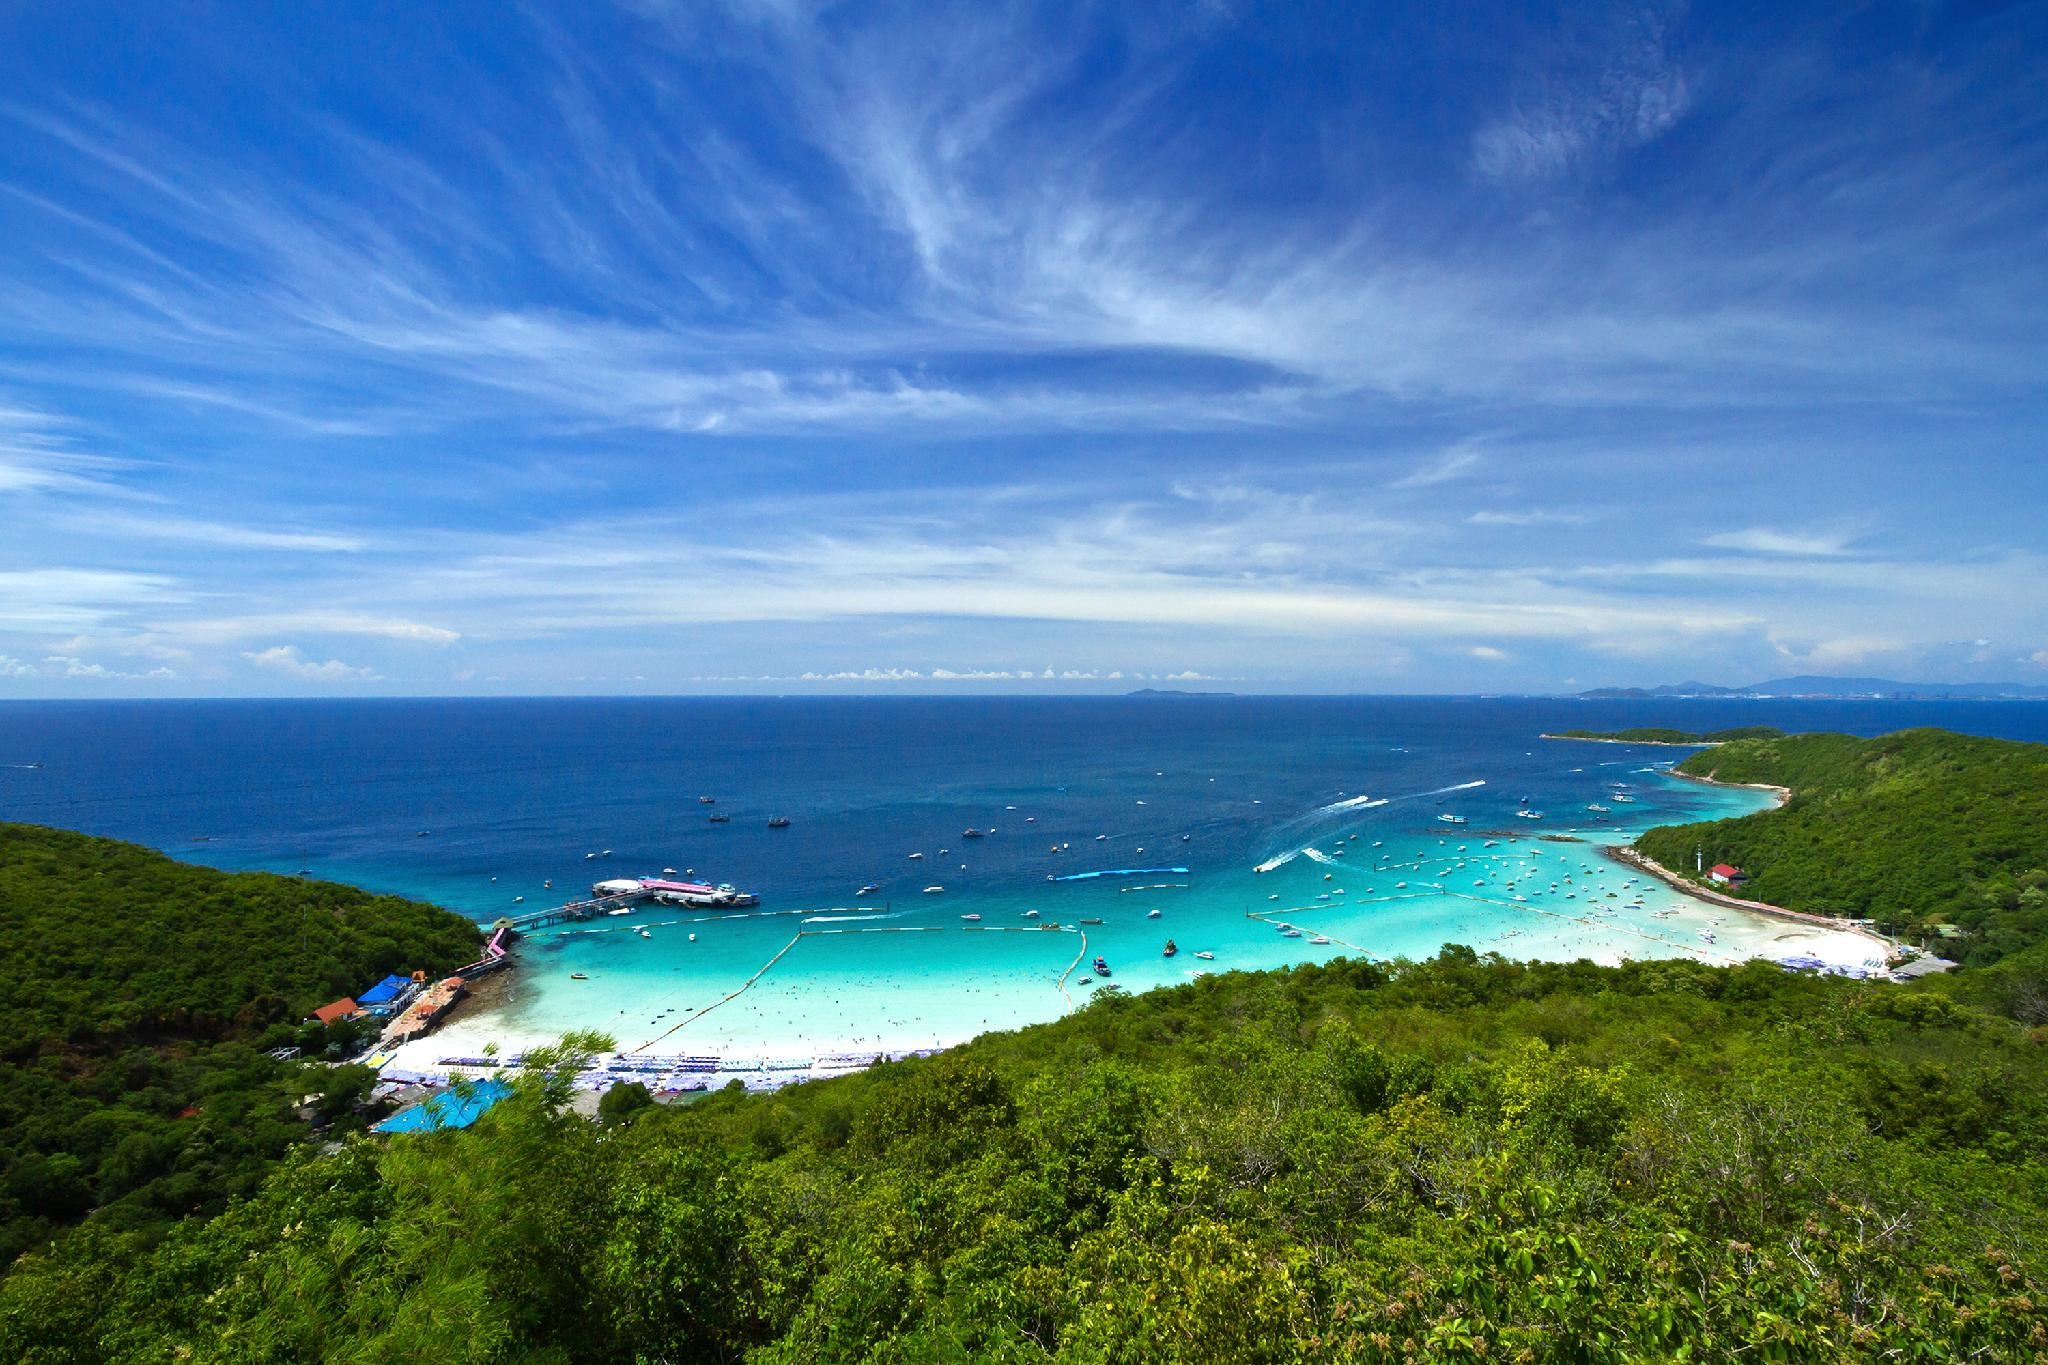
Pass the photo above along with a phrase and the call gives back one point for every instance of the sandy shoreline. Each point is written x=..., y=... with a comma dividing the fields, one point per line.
x=1628, y=856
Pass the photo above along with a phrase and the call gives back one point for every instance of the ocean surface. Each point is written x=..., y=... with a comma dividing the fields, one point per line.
x=480, y=804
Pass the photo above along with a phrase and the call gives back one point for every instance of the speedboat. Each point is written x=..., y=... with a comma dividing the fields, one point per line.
x=915, y=856
x=933, y=890
x=1170, y=949
x=1090, y=919
x=1151, y=914
x=1597, y=808
x=707, y=800
x=1449, y=819
x=721, y=819
x=1206, y=956
x=970, y=833
x=972, y=918
x=778, y=822
x=866, y=889
x=1030, y=914
x=1320, y=941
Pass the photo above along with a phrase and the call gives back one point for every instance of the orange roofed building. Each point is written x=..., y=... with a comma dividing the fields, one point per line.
x=341, y=1009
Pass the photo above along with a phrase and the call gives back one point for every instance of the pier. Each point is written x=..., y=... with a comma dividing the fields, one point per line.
x=574, y=910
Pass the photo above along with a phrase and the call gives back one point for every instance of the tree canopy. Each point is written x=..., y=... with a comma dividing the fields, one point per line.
x=137, y=997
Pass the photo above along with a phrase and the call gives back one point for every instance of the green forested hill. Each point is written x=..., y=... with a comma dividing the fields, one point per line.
x=136, y=995
x=1912, y=829
x=1465, y=1160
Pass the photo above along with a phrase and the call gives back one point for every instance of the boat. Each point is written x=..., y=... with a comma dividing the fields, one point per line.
x=622, y=910
x=720, y=818
x=1091, y=919
x=970, y=833
x=1622, y=797
x=1030, y=914
x=578, y=976
x=865, y=890
x=1598, y=809
x=1449, y=819
x=645, y=934
x=778, y=822
x=933, y=890
x=1206, y=956
x=1101, y=967
x=707, y=800
x=1170, y=949
x=1290, y=933
x=1528, y=815
x=972, y=918
x=1320, y=941
x=915, y=856
x=1151, y=914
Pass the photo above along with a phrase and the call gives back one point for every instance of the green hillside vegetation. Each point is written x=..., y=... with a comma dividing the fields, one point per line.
x=1463, y=1160
x=137, y=997
x=1658, y=734
x=1914, y=829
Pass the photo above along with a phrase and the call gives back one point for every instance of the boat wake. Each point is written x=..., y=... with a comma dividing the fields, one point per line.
x=849, y=919
x=1301, y=825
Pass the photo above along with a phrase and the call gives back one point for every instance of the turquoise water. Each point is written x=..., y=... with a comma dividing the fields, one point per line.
x=479, y=804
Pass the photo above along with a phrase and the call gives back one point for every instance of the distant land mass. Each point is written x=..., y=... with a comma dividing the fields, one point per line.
x=1174, y=692
x=1834, y=689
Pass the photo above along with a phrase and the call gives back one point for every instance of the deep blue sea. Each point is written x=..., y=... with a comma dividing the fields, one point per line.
x=475, y=804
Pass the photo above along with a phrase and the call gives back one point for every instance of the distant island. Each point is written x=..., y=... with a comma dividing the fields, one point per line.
x=1817, y=688
x=1174, y=692
x=1660, y=734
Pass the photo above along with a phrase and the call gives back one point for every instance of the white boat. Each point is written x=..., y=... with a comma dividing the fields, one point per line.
x=971, y=917
x=1206, y=957
x=1528, y=815
x=933, y=890
x=1320, y=941
x=1597, y=808
x=1030, y=914
x=1449, y=819
x=1151, y=914
x=915, y=856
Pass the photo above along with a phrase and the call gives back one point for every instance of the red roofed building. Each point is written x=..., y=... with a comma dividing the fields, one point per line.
x=1727, y=875
x=341, y=1009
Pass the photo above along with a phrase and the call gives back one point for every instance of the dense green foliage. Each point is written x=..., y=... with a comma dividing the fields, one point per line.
x=1658, y=734
x=137, y=996
x=1464, y=1160
x=1913, y=829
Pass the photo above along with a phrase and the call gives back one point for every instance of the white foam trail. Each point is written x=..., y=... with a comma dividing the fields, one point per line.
x=1355, y=803
x=848, y=919
x=1461, y=787
x=1325, y=859
x=1279, y=860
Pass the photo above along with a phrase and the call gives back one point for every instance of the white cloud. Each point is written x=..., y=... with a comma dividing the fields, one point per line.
x=1452, y=464
x=1766, y=540
x=1530, y=517
x=286, y=659
x=1487, y=652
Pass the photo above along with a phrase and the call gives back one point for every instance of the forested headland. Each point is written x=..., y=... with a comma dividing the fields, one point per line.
x=138, y=998
x=1913, y=830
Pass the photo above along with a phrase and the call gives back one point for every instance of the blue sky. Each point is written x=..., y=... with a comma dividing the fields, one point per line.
x=640, y=347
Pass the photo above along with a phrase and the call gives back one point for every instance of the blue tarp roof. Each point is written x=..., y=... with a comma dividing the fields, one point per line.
x=446, y=1110
x=390, y=988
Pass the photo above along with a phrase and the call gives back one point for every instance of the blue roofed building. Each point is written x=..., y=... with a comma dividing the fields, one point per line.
x=387, y=995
